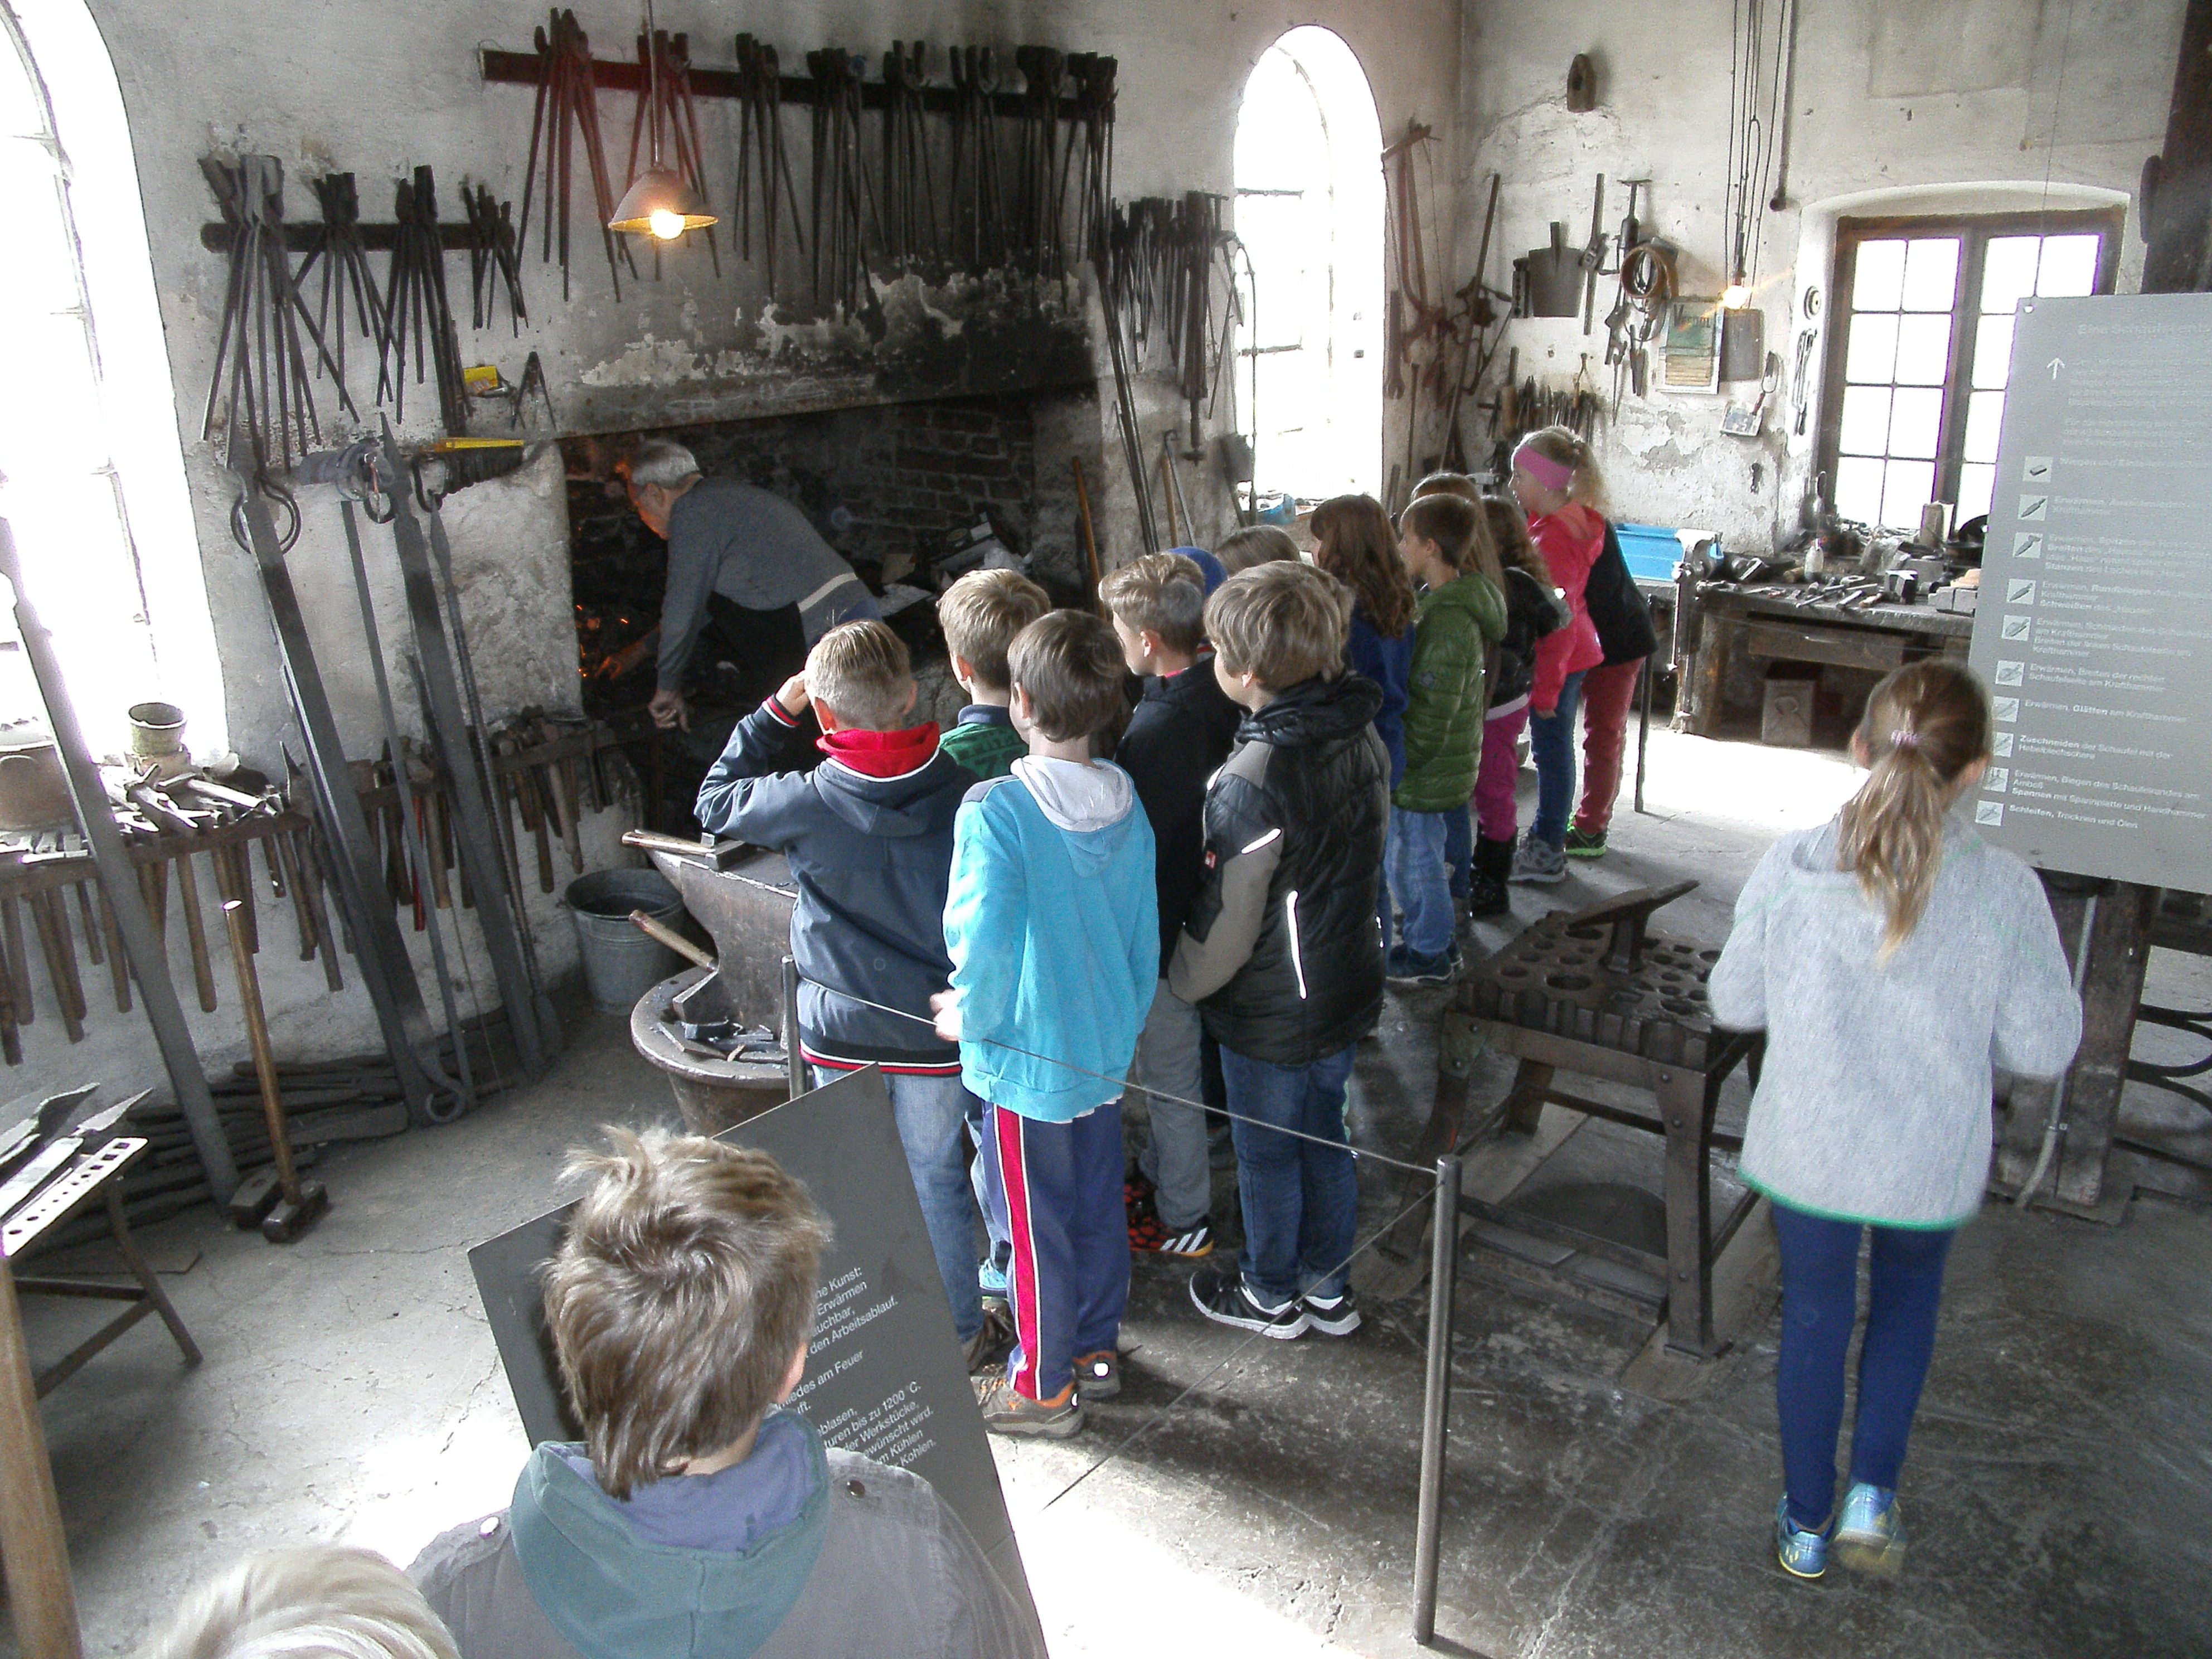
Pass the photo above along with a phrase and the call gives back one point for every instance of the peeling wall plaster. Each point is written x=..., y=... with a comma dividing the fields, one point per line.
x=1978, y=139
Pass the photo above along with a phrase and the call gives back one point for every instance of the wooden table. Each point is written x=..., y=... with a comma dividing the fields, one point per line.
x=1718, y=625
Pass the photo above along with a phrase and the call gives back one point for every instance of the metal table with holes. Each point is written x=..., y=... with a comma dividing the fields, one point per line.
x=1592, y=993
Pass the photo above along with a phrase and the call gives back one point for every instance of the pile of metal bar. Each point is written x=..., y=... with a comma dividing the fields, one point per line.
x=843, y=196
x=668, y=108
x=261, y=384
x=415, y=304
x=569, y=112
x=763, y=165
x=338, y=246
x=977, y=203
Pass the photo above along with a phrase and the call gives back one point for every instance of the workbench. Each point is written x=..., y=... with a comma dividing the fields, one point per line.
x=1720, y=624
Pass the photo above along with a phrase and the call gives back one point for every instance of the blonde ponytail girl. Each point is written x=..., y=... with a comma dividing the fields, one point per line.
x=1925, y=730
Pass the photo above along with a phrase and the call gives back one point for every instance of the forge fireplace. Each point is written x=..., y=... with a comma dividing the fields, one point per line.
x=890, y=486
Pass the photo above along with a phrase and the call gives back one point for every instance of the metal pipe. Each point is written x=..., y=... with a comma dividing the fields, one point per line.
x=674, y=940
x=149, y=962
x=794, y=1062
x=1436, y=1401
x=2054, y=1124
x=264, y=1060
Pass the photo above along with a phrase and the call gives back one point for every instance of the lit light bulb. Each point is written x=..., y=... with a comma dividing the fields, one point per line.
x=1736, y=295
x=666, y=225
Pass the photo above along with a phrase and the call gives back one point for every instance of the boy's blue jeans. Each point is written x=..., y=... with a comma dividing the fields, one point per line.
x=1819, y=1306
x=1551, y=741
x=1301, y=1202
x=1420, y=881
x=931, y=1112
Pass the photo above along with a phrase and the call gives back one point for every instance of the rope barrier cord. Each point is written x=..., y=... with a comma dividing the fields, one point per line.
x=1124, y=1082
x=1230, y=1358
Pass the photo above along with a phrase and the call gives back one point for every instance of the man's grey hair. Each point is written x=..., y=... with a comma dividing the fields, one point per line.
x=659, y=461
x=320, y=1601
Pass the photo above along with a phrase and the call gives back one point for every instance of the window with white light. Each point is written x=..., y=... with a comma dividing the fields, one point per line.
x=92, y=476
x=1920, y=348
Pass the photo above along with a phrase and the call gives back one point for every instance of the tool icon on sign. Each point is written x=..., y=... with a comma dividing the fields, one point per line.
x=1989, y=812
x=2018, y=591
x=2016, y=628
x=2033, y=507
x=2009, y=673
x=2004, y=709
x=1997, y=780
x=2027, y=544
x=2035, y=470
x=2000, y=745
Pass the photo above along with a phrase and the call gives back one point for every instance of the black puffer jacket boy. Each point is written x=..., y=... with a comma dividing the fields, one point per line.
x=1282, y=952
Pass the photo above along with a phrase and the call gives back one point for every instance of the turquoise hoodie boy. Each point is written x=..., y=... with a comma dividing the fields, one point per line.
x=1052, y=923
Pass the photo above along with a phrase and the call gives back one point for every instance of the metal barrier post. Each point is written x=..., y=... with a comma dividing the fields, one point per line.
x=1435, y=1403
x=794, y=1062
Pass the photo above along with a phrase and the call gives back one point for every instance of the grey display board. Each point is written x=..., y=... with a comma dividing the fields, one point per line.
x=886, y=1376
x=2094, y=627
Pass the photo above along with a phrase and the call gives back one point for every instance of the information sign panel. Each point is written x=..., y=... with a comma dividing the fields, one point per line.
x=2093, y=631
x=886, y=1377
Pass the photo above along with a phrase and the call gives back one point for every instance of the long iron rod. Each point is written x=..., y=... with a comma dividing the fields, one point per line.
x=794, y=1062
x=1436, y=1400
x=387, y=970
x=497, y=918
x=126, y=901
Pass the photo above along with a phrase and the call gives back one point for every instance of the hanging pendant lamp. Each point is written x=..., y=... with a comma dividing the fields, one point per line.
x=660, y=202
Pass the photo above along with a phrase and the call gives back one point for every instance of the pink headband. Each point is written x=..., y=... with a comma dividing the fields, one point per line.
x=1553, y=475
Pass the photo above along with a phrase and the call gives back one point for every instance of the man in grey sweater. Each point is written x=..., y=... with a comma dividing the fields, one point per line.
x=783, y=587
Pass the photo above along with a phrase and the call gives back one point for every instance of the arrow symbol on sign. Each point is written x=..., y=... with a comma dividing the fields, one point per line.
x=2057, y=363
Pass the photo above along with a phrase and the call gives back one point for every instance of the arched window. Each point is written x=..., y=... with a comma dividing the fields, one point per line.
x=93, y=474
x=1310, y=208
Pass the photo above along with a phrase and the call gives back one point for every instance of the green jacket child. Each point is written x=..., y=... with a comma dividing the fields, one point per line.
x=1460, y=619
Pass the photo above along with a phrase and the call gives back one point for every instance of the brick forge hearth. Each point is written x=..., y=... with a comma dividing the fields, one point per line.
x=885, y=485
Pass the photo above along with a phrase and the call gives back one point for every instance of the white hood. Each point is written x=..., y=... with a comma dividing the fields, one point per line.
x=1078, y=797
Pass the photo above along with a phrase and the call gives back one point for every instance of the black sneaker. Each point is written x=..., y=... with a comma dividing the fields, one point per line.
x=1224, y=1298
x=1583, y=845
x=1332, y=1315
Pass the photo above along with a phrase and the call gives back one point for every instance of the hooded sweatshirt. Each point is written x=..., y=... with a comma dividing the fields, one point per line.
x=868, y=833
x=1053, y=928
x=796, y=1551
x=1873, y=1102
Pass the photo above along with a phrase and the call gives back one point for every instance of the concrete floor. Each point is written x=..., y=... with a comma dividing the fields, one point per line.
x=2060, y=1489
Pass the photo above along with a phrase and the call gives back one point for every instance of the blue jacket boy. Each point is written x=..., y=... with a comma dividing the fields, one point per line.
x=1054, y=929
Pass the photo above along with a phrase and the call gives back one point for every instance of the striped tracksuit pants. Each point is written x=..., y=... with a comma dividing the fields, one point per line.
x=1068, y=1280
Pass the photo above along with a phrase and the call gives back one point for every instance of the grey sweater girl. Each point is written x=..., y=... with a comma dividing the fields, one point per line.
x=1875, y=1101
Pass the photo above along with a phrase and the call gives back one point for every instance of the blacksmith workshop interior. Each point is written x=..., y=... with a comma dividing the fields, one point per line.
x=1611, y=586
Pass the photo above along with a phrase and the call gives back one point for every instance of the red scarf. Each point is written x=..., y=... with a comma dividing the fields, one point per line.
x=881, y=754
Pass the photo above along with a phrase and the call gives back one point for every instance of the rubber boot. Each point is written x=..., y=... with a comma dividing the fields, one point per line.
x=1486, y=893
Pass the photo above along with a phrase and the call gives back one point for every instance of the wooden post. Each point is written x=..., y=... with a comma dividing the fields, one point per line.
x=2119, y=951
x=39, y=1594
x=2176, y=185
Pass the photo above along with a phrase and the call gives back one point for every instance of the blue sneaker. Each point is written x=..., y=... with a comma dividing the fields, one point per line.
x=1803, y=1554
x=991, y=1279
x=1870, y=1532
